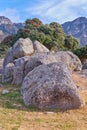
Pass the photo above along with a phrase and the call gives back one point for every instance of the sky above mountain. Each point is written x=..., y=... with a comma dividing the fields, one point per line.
x=47, y=10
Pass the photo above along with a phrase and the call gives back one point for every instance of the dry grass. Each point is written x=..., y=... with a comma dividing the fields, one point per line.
x=15, y=116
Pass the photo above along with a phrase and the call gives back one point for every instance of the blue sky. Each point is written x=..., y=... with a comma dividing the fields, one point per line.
x=47, y=10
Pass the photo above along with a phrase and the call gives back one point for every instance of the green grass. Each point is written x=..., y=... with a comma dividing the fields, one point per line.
x=13, y=99
x=14, y=115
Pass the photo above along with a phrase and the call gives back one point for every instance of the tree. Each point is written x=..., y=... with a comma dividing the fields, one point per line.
x=7, y=40
x=51, y=35
x=71, y=43
x=33, y=23
x=81, y=53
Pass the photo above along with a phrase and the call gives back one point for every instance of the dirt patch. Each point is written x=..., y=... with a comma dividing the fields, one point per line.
x=81, y=83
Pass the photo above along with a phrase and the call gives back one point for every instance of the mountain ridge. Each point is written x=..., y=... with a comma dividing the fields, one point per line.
x=7, y=27
x=77, y=28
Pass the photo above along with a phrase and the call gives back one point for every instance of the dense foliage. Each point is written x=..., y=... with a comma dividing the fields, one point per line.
x=71, y=43
x=51, y=35
x=81, y=53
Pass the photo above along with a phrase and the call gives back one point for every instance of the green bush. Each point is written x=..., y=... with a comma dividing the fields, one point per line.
x=71, y=43
x=81, y=53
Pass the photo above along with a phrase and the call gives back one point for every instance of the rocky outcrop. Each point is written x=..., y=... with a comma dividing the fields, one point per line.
x=49, y=87
x=45, y=76
x=26, y=55
x=37, y=59
x=22, y=48
x=39, y=48
x=27, y=63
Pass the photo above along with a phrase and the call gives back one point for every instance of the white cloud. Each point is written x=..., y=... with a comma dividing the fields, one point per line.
x=56, y=10
x=48, y=10
x=12, y=14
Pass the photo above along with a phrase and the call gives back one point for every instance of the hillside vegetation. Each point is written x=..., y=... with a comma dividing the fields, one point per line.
x=51, y=35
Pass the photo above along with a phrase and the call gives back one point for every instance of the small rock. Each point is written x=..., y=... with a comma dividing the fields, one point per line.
x=49, y=112
x=5, y=91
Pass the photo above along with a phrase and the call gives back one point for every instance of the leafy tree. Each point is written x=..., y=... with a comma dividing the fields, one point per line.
x=81, y=53
x=71, y=43
x=7, y=40
x=51, y=35
x=33, y=23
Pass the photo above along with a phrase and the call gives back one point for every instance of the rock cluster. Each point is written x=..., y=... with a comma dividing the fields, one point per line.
x=45, y=76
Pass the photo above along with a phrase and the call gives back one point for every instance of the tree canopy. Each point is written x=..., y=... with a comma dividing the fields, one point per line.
x=51, y=35
x=81, y=53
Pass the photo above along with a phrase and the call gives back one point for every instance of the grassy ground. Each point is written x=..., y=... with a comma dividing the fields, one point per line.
x=14, y=115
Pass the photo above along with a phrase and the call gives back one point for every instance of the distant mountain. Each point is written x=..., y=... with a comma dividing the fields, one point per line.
x=8, y=28
x=19, y=25
x=78, y=28
x=4, y=20
x=2, y=35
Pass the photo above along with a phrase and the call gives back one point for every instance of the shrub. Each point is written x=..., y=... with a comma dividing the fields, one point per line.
x=81, y=53
x=71, y=43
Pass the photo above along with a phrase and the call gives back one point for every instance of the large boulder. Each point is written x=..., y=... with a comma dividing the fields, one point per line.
x=39, y=48
x=50, y=87
x=26, y=64
x=23, y=47
x=7, y=75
